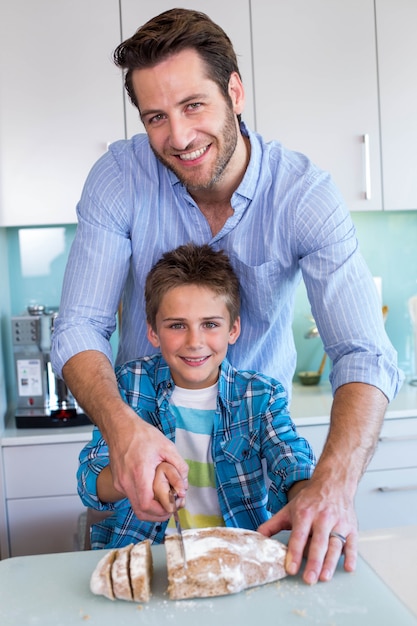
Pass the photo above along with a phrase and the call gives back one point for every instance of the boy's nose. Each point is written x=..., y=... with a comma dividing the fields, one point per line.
x=194, y=338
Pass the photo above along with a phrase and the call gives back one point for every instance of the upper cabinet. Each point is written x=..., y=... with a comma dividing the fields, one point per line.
x=316, y=88
x=311, y=70
x=396, y=22
x=60, y=104
x=233, y=17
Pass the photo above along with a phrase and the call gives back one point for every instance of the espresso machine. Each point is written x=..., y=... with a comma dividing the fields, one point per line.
x=43, y=399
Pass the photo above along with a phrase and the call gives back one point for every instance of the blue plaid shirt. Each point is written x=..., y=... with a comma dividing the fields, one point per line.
x=252, y=429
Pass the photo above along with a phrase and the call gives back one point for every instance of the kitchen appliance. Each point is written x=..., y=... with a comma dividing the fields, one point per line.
x=43, y=399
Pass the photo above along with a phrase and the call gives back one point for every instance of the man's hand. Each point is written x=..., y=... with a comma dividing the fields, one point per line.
x=136, y=452
x=312, y=515
x=325, y=503
x=136, y=448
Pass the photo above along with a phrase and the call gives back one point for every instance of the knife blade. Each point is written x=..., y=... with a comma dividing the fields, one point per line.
x=173, y=501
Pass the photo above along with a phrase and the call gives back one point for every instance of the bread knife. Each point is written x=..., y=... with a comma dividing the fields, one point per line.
x=173, y=501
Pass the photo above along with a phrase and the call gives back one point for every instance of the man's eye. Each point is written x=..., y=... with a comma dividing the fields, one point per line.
x=194, y=106
x=155, y=119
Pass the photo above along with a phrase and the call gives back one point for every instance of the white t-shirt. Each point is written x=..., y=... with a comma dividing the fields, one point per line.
x=194, y=410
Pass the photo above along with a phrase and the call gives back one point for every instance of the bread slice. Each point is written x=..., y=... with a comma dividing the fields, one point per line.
x=101, y=581
x=120, y=574
x=222, y=561
x=141, y=567
x=124, y=573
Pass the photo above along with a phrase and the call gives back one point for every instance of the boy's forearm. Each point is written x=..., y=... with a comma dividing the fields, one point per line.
x=106, y=490
x=296, y=488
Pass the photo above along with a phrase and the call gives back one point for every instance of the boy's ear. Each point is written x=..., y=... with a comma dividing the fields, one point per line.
x=152, y=336
x=234, y=331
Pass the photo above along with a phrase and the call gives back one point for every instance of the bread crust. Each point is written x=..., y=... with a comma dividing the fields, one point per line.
x=222, y=561
x=124, y=573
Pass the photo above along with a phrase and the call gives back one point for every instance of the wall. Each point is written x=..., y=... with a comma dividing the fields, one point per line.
x=5, y=381
x=36, y=260
x=387, y=240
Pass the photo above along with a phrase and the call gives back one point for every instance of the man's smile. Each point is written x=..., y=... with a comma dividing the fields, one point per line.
x=192, y=156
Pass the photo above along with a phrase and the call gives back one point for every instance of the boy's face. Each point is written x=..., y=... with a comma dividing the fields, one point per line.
x=193, y=332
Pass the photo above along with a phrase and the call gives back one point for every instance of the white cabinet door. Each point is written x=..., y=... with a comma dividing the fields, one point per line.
x=60, y=104
x=43, y=525
x=41, y=470
x=233, y=16
x=397, y=61
x=316, y=88
x=387, y=498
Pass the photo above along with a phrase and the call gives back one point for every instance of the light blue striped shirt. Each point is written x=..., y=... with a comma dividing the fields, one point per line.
x=289, y=221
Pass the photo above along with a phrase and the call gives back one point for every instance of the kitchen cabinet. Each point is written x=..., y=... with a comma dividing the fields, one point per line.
x=233, y=17
x=60, y=104
x=387, y=493
x=397, y=53
x=316, y=88
x=41, y=509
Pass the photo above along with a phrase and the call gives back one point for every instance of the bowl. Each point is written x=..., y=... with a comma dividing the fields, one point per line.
x=309, y=378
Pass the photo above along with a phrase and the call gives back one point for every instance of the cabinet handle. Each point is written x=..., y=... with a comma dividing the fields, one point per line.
x=365, y=139
x=398, y=438
x=392, y=489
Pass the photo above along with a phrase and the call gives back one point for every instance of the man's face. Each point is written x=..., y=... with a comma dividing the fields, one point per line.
x=192, y=128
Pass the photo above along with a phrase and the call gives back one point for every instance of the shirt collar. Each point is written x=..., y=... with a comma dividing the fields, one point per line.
x=165, y=383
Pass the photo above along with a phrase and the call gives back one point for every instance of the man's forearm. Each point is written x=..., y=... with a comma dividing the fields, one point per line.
x=91, y=378
x=356, y=420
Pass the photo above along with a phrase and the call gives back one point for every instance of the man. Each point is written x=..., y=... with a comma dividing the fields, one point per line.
x=200, y=175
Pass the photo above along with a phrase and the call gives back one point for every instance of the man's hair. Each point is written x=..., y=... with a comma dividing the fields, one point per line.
x=191, y=264
x=174, y=31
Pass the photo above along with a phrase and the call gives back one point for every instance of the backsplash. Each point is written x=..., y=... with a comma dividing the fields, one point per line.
x=33, y=262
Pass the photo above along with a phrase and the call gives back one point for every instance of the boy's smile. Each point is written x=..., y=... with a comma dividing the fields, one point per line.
x=193, y=332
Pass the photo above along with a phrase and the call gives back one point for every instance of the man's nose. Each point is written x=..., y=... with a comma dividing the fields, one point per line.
x=181, y=133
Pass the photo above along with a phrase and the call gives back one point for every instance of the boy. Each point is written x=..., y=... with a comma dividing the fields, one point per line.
x=232, y=427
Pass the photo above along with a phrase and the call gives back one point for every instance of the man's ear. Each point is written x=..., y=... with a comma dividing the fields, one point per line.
x=236, y=93
x=234, y=332
x=152, y=336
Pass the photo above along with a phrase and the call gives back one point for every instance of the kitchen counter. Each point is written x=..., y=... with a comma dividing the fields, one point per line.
x=392, y=554
x=54, y=589
x=310, y=406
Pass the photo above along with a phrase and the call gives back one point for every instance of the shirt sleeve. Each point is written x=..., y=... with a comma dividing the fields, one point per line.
x=342, y=293
x=93, y=458
x=289, y=457
x=97, y=267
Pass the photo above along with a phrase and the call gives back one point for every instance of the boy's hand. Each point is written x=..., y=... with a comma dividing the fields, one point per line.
x=168, y=479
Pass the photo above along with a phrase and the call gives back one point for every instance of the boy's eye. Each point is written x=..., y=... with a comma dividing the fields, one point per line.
x=210, y=325
x=177, y=325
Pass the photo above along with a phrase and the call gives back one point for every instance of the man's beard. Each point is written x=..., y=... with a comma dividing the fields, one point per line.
x=192, y=182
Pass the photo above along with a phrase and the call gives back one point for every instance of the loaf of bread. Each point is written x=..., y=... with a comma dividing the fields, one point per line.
x=124, y=573
x=221, y=561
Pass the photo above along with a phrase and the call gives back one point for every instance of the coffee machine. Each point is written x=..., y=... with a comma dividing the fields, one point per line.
x=43, y=399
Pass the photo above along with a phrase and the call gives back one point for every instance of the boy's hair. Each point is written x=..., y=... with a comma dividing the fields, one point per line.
x=174, y=31
x=191, y=264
